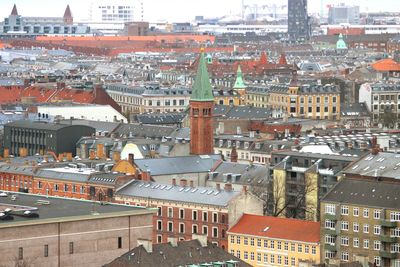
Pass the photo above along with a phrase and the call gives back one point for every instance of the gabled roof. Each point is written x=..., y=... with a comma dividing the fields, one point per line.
x=202, y=90
x=279, y=228
x=386, y=64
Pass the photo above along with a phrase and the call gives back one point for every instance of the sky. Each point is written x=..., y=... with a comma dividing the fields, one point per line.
x=177, y=10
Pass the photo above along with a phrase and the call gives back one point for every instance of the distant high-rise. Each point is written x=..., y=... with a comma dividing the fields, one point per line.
x=299, y=28
x=344, y=14
x=112, y=11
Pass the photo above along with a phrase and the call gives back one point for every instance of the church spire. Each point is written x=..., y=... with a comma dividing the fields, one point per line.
x=239, y=83
x=202, y=90
x=14, y=11
x=68, y=19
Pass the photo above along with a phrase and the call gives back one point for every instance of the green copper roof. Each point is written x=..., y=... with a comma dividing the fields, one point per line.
x=239, y=83
x=202, y=90
x=341, y=44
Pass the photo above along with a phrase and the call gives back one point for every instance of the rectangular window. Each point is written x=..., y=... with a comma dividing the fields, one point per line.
x=215, y=217
x=279, y=259
x=205, y=216
x=286, y=246
x=265, y=258
x=205, y=230
x=345, y=226
x=345, y=256
x=313, y=250
x=170, y=226
x=377, y=214
x=366, y=228
x=366, y=212
x=299, y=248
x=355, y=212
x=395, y=216
x=119, y=242
x=377, y=245
x=330, y=209
x=293, y=261
x=272, y=244
x=344, y=210
x=194, y=229
x=356, y=242
x=245, y=241
x=292, y=247
x=159, y=225
x=377, y=261
x=259, y=242
x=286, y=261
x=232, y=239
x=366, y=243
x=279, y=245
x=238, y=254
x=181, y=213
x=245, y=255
x=252, y=256
x=355, y=227
x=46, y=251
x=252, y=241
x=20, y=253
x=238, y=240
x=71, y=247
x=170, y=212
x=159, y=213
x=272, y=259
x=194, y=215
x=181, y=228
x=344, y=240
x=377, y=229
x=265, y=243
x=258, y=257
x=306, y=249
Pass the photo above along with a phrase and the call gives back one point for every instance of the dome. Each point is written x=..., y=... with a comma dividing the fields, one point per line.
x=341, y=44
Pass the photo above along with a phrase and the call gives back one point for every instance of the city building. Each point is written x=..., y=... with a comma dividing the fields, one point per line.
x=195, y=252
x=112, y=11
x=52, y=231
x=342, y=13
x=299, y=27
x=23, y=138
x=19, y=25
x=360, y=220
x=184, y=209
x=302, y=178
x=271, y=241
x=201, y=112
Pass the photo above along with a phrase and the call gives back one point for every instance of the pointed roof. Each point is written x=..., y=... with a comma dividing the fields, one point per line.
x=282, y=60
x=67, y=13
x=14, y=11
x=202, y=90
x=263, y=58
x=239, y=83
x=341, y=44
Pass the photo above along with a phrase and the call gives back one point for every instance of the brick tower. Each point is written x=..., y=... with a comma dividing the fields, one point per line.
x=68, y=19
x=201, y=112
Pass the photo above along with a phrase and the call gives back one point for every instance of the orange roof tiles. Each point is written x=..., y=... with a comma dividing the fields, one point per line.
x=279, y=228
x=387, y=64
x=156, y=38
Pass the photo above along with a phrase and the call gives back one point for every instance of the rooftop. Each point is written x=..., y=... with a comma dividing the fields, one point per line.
x=279, y=228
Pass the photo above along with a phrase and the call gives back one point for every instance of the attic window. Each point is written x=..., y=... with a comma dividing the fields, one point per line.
x=266, y=229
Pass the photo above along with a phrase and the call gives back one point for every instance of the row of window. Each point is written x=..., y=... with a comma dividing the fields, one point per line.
x=329, y=224
x=195, y=215
x=271, y=244
x=195, y=229
x=65, y=187
x=377, y=213
x=264, y=258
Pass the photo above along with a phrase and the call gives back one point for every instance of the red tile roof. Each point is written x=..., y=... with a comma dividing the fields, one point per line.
x=387, y=64
x=279, y=228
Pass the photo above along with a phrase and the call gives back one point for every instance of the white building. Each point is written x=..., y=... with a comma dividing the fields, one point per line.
x=112, y=11
x=86, y=112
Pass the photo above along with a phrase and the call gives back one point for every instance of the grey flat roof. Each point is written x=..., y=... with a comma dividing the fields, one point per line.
x=60, y=209
x=178, y=165
x=365, y=193
x=39, y=125
x=200, y=195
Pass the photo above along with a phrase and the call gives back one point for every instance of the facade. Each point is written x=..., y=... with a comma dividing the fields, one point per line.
x=17, y=24
x=344, y=14
x=119, y=11
x=302, y=178
x=299, y=28
x=35, y=231
x=201, y=112
x=271, y=241
x=360, y=220
x=151, y=99
x=24, y=138
x=184, y=210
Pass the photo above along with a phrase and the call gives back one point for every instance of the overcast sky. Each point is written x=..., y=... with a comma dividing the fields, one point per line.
x=176, y=10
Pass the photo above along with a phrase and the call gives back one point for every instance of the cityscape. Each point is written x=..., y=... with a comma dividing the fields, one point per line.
x=200, y=134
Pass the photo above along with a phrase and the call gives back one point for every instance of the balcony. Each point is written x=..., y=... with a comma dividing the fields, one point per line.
x=388, y=224
x=332, y=217
x=331, y=232
x=388, y=239
x=387, y=255
x=330, y=247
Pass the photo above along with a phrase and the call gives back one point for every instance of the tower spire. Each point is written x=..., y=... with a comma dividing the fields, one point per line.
x=239, y=83
x=202, y=90
x=14, y=11
x=68, y=19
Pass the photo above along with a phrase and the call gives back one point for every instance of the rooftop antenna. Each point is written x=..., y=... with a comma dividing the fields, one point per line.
x=142, y=10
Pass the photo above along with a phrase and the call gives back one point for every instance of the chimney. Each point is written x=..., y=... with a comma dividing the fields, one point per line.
x=375, y=147
x=116, y=156
x=234, y=154
x=6, y=153
x=201, y=238
x=100, y=151
x=191, y=183
x=183, y=182
x=218, y=187
x=147, y=244
x=173, y=241
x=92, y=154
x=228, y=187
x=131, y=159
x=174, y=182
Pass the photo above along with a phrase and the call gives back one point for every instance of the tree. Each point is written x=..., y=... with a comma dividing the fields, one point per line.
x=388, y=119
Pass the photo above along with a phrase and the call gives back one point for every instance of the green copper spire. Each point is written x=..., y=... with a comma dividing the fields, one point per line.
x=239, y=83
x=202, y=90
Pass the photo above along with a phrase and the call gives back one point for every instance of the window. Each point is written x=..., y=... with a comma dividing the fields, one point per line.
x=159, y=225
x=245, y=241
x=330, y=224
x=194, y=215
x=170, y=226
x=252, y=241
x=356, y=242
x=330, y=209
x=20, y=253
x=366, y=228
x=293, y=261
x=366, y=212
x=377, y=245
x=215, y=232
x=181, y=213
x=205, y=216
x=194, y=229
x=46, y=251
x=245, y=255
x=232, y=252
x=344, y=210
x=119, y=242
x=71, y=247
x=330, y=239
x=279, y=259
x=377, y=260
x=238, y=240
x=377, y=214
x=395, y=216
x=395, y=248
x=40, y=185
x=395, y=232
x=170, y=212
x=272, y=244
x=159, y=213
x=344, y=240
x=159, y=238
x=292, y=247
x=306, y=249
x=286, y=246
x=272, y=259
x=279, y=245
x=355, y=212
x=252, y=256
x=181, y=228
x=232, y=239
x=56, y=187
x=205, y=230
x=286, y=260
x=238, y=254
x=366, y=243
x=313, y=250
x=345, y=226
x=355, y=227
x=258, y=257
x=265, y=243
x=345, y=256
x=265, y=258
x=299, y=248
x=377, y=229
x=65, y=188
x=259, y=242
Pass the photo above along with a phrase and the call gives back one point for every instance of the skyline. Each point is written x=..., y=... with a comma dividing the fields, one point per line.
x=159, y=10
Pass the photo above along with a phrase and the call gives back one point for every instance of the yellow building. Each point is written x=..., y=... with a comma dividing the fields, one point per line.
x=227, y=97
x=272, y=241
